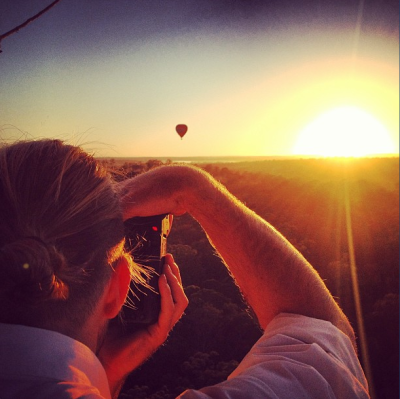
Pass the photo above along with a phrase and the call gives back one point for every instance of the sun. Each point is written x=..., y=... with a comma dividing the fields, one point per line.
x=345, y=131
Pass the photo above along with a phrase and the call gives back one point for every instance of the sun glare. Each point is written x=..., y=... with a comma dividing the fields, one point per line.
x=344, y=132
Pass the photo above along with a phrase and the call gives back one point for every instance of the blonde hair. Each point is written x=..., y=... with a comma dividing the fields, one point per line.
x=61, y=229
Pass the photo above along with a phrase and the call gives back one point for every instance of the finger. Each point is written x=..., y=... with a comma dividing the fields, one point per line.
x=167, y=303
x=171, y=308
x=178, y=294
x=169, y=260
x=171, y=220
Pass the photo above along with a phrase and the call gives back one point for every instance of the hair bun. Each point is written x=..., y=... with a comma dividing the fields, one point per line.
x=30, y=270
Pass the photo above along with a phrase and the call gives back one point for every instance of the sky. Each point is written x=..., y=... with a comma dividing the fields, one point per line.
x=246, y=76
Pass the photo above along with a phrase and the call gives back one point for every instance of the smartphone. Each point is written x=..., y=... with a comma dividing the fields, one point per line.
x=146, y=241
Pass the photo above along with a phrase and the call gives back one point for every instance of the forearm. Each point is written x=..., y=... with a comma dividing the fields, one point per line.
x=272, y=275
x=115, y=388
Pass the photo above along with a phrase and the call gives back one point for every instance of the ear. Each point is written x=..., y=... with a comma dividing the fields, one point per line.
x=117, y=289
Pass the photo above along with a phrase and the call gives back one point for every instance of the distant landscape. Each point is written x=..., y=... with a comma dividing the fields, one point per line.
x=305, y=200
x=204, y=160
x=200, y=160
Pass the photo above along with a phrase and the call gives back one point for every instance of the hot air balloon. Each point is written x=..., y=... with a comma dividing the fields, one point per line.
x=181, y=130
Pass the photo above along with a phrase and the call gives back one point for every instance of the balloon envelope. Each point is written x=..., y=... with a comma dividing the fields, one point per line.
x=181, y=130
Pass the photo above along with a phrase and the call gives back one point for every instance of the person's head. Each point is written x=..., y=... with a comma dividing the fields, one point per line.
x=61, y=232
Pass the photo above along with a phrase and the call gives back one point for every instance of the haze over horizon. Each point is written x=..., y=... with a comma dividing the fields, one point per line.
x=235, y=158
x=246, y=77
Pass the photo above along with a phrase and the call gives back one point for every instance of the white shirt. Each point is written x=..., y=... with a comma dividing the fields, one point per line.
x=40, y=364
x=297, y=358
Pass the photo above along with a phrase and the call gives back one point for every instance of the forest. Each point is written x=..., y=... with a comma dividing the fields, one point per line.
x=309, y=201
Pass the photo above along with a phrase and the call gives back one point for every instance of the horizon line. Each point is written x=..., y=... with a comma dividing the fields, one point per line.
x=296, y=156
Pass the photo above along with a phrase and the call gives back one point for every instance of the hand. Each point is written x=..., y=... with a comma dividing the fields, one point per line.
x=161, y=190
x=121, y=353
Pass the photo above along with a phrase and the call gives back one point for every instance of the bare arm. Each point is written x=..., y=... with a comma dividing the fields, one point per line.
x=272, y=275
